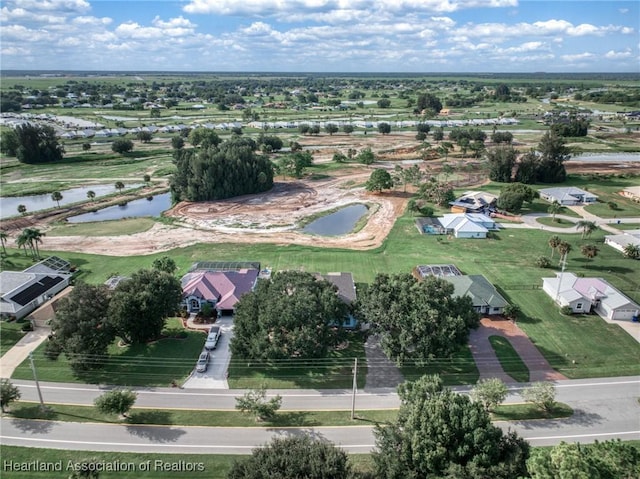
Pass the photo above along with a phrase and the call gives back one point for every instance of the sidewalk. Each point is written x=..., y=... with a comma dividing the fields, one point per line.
x=18, y=353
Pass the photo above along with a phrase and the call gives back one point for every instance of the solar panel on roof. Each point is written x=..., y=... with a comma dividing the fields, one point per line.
x=32, y=292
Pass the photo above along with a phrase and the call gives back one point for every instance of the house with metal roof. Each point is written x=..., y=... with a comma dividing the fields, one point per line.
x=485, y=297
x=567, y=196
x=585, y=295
x=467, y=225
x=620, y=242
x=21, y=292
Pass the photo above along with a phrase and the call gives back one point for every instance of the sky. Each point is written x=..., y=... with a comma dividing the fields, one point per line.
x=394, y=36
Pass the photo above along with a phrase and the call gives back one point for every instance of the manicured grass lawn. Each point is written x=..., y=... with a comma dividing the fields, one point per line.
x=607, y=191
x=460, y=369
x=627, y=226
x=10, y=334
x=558, y=223
x=205, y=418
x=125, y=226
x=579, y=346
x=336, y=371
x=509, y=359
x=154, y=364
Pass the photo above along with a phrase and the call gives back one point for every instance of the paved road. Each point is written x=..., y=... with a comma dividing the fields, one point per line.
x=605, y=408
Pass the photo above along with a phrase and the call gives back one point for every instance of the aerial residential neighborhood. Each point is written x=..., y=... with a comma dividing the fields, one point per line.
x=311, y=239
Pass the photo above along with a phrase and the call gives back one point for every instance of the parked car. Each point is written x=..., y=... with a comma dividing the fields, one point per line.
x=212, y=338
x=203, y=362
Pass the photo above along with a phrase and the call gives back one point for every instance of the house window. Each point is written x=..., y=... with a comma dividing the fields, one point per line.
x=579, y=306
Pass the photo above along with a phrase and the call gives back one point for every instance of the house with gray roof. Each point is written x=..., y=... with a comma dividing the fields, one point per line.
x=346, y=291
x=620, y=242
x=21, y=292
x=585, y=295
x=567, y=196
x=485, y=297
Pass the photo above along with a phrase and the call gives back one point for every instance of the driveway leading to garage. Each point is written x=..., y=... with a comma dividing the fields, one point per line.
x=215, y=377
x=487, y=361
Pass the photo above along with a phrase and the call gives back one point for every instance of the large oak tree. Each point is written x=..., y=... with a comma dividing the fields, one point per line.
x=417, y=320
x=290, y=316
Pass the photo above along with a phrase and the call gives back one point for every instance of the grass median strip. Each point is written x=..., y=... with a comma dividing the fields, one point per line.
x=209, y=418
x=509, y=359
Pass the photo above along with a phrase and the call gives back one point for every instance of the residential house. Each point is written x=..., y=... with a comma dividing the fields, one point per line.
x=218, y=284
x=346, y=292
x=21, y=292
x=467, y=225
x=585, y=295
x=567, y=196
x=474, y=202
x=484, y=296
x=620, y=242
x=632, y=192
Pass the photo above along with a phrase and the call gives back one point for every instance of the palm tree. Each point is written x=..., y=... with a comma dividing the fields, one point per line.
x=22, y=241
x=22, y=209
x=554, y=209
x=91, y=195
x=33, y=237
x=56, y=196
x=589, y=251
x=119, y=186
x=587, y=227
x=564, y=249
x=554, y=242
x=632, y=251
x=3, y=240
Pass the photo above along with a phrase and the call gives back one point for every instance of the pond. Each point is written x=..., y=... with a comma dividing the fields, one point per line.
x=9, y=204
x=338, y=223
x=151, y=206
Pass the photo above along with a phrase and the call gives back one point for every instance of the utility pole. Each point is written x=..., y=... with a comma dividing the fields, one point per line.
x=35, y=378
x=355, y=388
x=563, y=263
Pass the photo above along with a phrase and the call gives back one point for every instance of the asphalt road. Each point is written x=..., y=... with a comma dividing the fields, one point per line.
x=605, y=408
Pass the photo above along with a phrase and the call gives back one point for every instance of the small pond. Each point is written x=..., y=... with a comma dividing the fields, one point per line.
x=9, y=204
x=152, y=206
x=338, y=223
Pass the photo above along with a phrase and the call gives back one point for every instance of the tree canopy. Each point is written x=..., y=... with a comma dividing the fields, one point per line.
x=379, y=180
x=501, y=162
x=290, y=316
x=140, y=305
x=228, y=170
x=81, y=327
x=294, y=457
x=417, y=320
x=37, y=144
x=439, y=433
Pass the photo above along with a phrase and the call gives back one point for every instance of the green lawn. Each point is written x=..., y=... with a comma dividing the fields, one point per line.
x=125, y=226
x=509, y=359
x=557, y=223
x=10, y=334
x=154, y=364
x=336, y=371
x=460, y=369
x=627, y=226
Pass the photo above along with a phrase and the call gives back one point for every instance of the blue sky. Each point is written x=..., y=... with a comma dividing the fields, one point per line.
x=321, y=35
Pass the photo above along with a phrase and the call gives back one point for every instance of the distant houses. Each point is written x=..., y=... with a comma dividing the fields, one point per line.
x=585, y=295
x=474, y=202
x=567, y=196
x=460, y=225
x=620, y=242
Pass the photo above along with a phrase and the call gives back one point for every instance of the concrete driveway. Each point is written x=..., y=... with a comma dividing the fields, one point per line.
x=215, y=377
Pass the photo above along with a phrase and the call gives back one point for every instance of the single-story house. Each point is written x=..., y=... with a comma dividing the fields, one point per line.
x=467, y=225
x=21, y=292
x=346, y=292
x=619, y=242
x=220, y=285
x=631, y=192
x=567, y=196
x=484, y=296
x=474, y=202
x=585, y=295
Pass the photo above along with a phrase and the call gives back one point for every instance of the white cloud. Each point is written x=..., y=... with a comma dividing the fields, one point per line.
x=613, y=55
x=78, y=6
x=175, y=27
x=82, y=20
x=15, y=51
x=577, y=57
x=25, y=16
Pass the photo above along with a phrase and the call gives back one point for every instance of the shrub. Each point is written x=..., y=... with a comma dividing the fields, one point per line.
x=543, y=262
x=566, y=310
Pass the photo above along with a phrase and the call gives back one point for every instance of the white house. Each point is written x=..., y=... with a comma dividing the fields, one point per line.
x=21, y=292
x=585, y=295
x=567, y=196
x=467, y=225
x=620, y=242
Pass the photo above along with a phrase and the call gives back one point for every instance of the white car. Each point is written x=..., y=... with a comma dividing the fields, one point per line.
x=203, y=362
x=212, y=338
